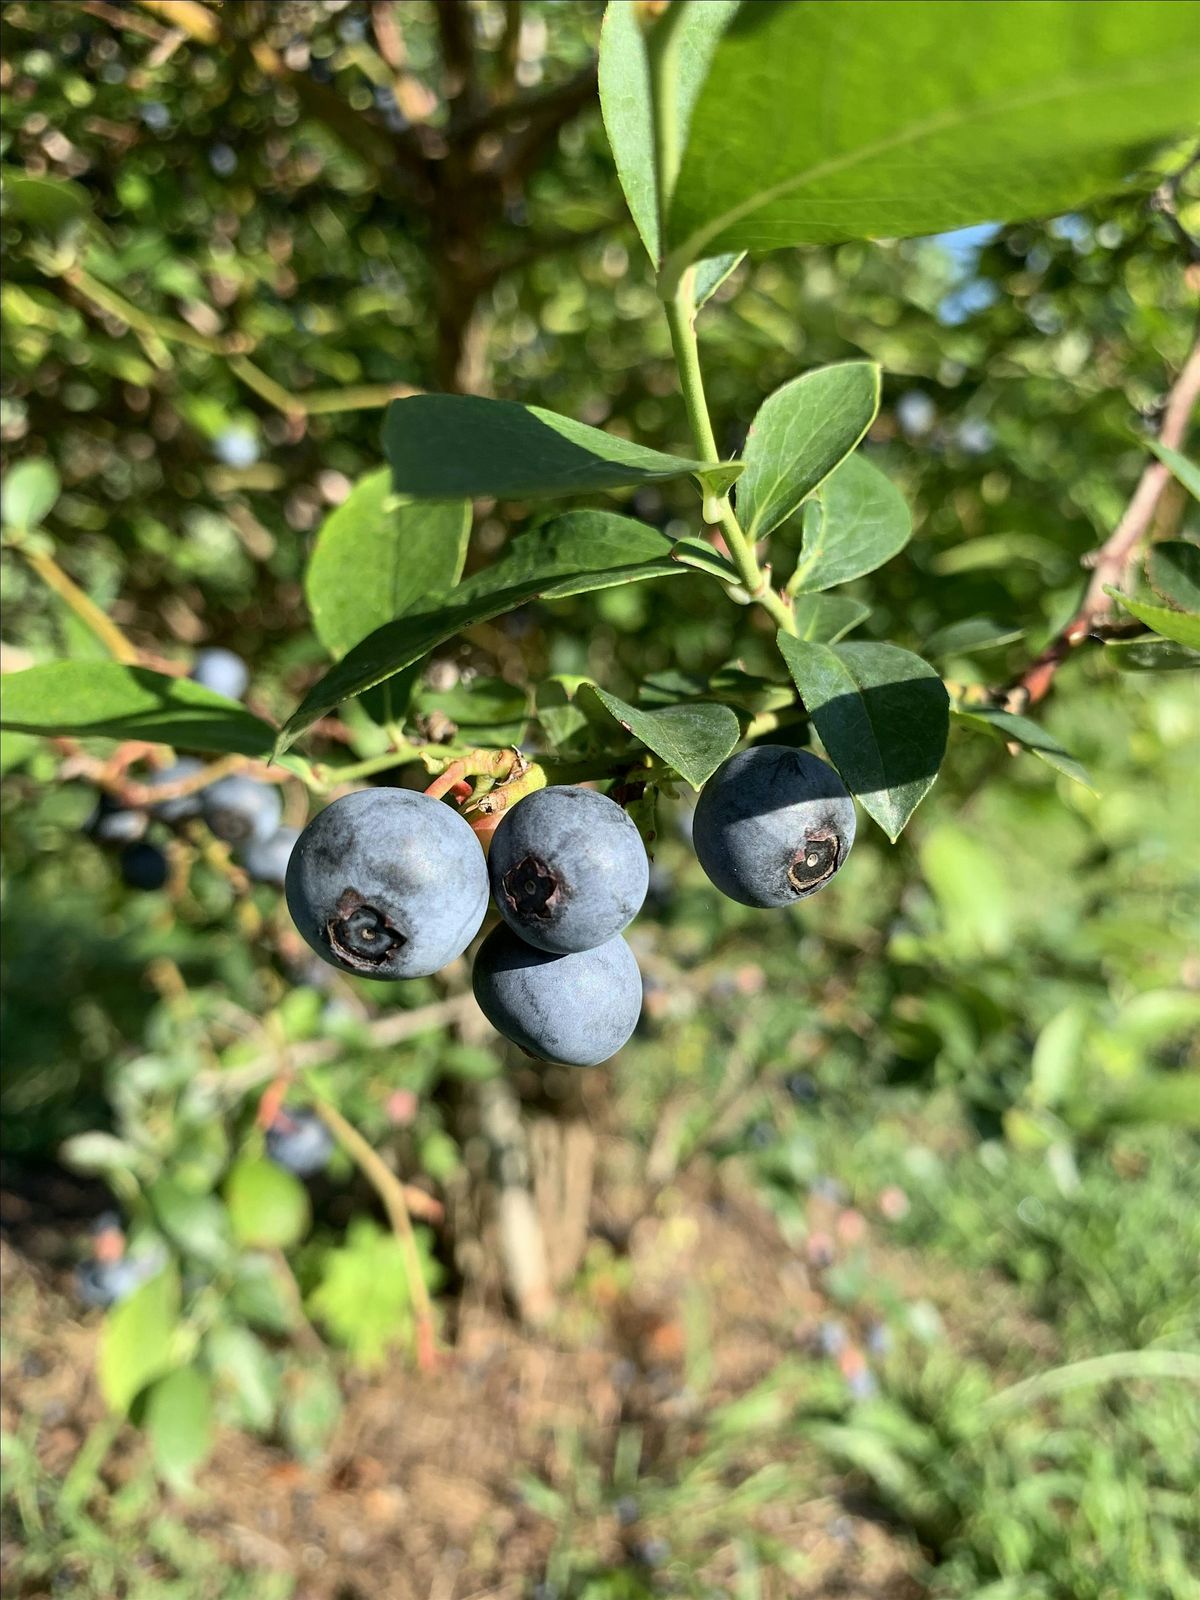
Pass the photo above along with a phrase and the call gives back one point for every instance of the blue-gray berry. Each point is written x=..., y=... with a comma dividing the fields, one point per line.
x=773, y=825
x=386, y=883
x=105, y=1283
x=113, y=824
x=181, y=806
x=221, y=671
x=143, y=866
x=266, y=860
x=577, y=1009
x=568, y=869
x=239, y=810
x=299, y=1141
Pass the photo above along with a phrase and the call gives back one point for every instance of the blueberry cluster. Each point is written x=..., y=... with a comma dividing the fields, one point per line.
x=237, y=809
x=388, y=884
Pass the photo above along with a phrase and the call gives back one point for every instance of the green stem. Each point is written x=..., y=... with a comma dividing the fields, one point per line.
x=681, y=319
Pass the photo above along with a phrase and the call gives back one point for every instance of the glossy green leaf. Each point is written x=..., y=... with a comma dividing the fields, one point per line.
x=197, y=1223
x=693, y=738
x=799, y=435
x=882, y=715
x=456, y=447
x=571, y=554
x=179, y=1422
x=1174, y=573
x=1029, y=735
x=374, y=560
x=51, y=205
x=268, y=1207
x=969, y=637
x=1058, y=1055
x=1186, y=471
x=627, y=103
x=137, y=1340
x=88, y=699
x=1151, y=655
x=858, y=521
x=28, y=492
x=826, y=618
x=823, y=120
x=1181, y=626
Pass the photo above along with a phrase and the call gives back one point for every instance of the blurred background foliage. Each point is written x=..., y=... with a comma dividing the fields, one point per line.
x=262, y=224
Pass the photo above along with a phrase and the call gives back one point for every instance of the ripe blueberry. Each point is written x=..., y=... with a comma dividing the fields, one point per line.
x=578, y=1009
x=568, y=869
x=105, y=1283
x=241, y=811
x=773, y=825
x=143, y=866
x=181, y=806
x=111, y=823
x=266, y=860
x=386, y=883
x=299, y=1142
x=221, y=671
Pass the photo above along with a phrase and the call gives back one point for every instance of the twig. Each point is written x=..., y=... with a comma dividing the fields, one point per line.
x=387, y=1031
x=1109, y=562
x=85, y=608
x=392, y=1192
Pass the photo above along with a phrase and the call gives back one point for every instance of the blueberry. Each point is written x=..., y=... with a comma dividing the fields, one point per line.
x=241, y=811
x=773, y=825
x=568, y=869
x=386, y=883
x=104, y=1283
x=578, y=1009
x=143, y=866
x=111, y=823
x=299, y=1142
x=181, y=806
x=266, y=860
x=221, y=671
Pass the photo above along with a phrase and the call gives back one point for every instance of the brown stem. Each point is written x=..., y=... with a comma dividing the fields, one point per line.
x=1109, y=562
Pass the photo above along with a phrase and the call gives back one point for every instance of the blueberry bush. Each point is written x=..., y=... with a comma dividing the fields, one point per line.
x=535, y=532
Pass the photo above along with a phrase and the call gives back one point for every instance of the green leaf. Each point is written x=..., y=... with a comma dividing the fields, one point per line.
x=882, y=714
x=571, y=554
x=373, y=560
x=799, y=435
x=179, y=1422
x=823, y=120
x=826, y=618
x=485, y=710
x=627, y=102
x=363, y=1298
x=246, y=1372
x=137, y=1339
x=1174, y=573
x=197, y=1223
x=311, y=1410
x=972, y=889
x=28, y=493
x=1181, y=626
x=98, y=1153
x=268, y=1207
x=711, y=274
x=1186, y=471
x=858, y=521
x=1151, y=655
x=1029, y=735
x=694, y=738
x=561, y=720
x=49, y=204
x=456, y=447
x=1058, y=1055
x=969, y=636
x=105, y=699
